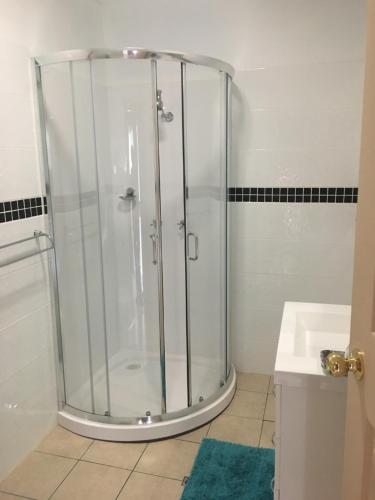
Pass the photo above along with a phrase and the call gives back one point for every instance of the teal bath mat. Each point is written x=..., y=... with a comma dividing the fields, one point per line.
x=225, y=471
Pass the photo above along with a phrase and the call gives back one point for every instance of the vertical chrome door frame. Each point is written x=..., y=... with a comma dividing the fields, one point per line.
x=228, y=128
x=185, y=196
x=83, y=243
x=100, y=245
x=52, y=262
x=158, y=231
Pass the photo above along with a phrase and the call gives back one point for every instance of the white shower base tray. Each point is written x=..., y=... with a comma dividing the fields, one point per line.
x=151, y=431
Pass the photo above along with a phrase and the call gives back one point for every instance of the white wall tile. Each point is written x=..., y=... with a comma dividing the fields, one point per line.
x=22, y=341
x=16, y=121
x=26, y=183
x=254, y=340
x=297, y=128
x=28, y=409
x=295, y=167
x=292, y=257
x=292, y=221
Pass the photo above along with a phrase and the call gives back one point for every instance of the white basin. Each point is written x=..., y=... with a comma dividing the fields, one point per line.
x=307, y=329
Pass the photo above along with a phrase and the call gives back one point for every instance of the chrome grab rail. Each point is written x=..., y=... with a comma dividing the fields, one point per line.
x=37, y=234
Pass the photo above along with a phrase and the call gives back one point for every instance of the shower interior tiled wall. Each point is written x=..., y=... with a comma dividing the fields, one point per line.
x=296, y=124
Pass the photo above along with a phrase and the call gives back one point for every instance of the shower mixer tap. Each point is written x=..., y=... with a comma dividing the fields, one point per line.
x=129, y=195
x=166, y=116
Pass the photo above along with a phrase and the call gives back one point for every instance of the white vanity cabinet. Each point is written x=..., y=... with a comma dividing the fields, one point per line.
x=310, y=406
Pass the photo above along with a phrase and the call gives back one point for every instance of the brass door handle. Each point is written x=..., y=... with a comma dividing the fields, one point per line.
x=340, y=366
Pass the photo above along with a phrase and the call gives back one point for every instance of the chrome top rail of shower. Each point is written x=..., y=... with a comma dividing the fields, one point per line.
x=36, y=235
x=134, y=53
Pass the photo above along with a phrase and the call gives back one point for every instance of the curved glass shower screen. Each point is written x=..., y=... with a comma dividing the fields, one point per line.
x=136, y=158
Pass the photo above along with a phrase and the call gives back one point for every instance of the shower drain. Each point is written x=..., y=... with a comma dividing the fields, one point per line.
x=133, y=366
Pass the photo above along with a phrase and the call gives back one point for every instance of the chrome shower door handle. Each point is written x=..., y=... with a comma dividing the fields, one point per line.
x=153, y=239
x=196, y=246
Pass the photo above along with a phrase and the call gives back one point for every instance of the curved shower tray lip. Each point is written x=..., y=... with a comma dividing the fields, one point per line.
x=134, y=53
x=162, y=428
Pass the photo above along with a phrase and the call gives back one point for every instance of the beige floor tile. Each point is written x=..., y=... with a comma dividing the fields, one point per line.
x=37, y=476
x=92, y=481
x=267, y=435
x=247, y=404
x=172, y=458
x=254, y=382
x=123, y=455
x=144, y=487
x=64, y=443
x=195, y=436
x=236, y=429
x=270, y=414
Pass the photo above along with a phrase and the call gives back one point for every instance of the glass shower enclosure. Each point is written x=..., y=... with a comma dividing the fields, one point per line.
x=136, y=149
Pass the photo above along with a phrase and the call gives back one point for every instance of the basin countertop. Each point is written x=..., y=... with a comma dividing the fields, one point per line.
x=306, y=329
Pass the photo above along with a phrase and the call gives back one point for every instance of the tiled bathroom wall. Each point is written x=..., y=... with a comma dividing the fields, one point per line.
x=27, y=373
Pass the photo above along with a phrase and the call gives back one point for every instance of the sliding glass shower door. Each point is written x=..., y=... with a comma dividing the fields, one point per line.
x=101, y=143
x=126, y=148
x=204, y=113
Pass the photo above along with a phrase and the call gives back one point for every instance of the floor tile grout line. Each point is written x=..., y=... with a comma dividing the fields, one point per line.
x=265, y=408
x=269, y=384
x=264, y=414
x=106, y=465
x=83, y=459
x=54, y=455
x=87, y=449
x=155, y=475
x=249, y=390
x=252, y=392
x=209, y=427
x=260, y=435
x=242, y=416
x=132, y=471
x=140, y=456
x=189, y=441
x=123, y=486
x=58, y=486
x=16, y=495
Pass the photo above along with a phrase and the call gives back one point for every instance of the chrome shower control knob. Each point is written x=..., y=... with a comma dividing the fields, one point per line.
x=167, y=116
x=129, y=195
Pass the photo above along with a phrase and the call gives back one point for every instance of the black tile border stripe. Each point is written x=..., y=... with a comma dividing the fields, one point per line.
x=22, y=209
x=25, y=208
x=293, y=194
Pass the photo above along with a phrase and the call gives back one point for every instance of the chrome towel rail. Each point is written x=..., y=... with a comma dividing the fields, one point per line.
x=36, y=235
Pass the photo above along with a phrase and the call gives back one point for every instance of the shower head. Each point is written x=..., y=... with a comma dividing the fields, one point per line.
x=166, y=116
